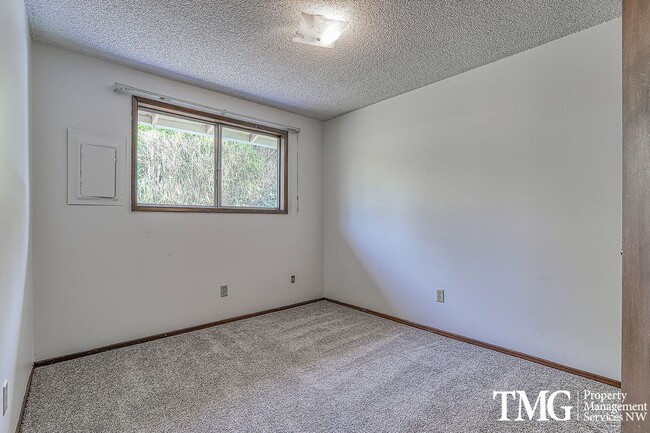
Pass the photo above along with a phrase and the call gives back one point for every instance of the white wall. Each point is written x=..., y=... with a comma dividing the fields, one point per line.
x=16, y=352
x=502, y=186
x=106, y=274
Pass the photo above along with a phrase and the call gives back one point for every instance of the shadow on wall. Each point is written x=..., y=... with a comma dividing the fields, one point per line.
x=407, y=256
x=497, y=270
x=15, y=304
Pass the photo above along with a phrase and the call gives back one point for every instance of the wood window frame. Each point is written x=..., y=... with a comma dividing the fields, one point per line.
x=202, y=116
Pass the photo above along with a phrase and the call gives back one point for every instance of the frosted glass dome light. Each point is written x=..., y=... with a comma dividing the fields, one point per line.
x=318, y=30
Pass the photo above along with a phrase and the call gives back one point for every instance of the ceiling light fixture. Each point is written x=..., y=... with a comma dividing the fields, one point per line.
x=318, y=30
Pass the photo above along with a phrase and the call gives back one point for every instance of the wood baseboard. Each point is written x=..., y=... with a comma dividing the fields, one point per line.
x=24, y=404
x=164, y=335
x=496, y=348
x=545, y=362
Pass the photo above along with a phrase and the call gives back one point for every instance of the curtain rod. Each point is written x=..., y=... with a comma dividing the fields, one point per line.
x=119, y=87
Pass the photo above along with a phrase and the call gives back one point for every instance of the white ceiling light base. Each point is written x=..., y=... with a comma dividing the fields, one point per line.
x=318, y=30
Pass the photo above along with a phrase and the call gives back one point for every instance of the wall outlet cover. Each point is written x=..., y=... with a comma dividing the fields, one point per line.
x=440, y=295
x=224, y=291
x=293, y=279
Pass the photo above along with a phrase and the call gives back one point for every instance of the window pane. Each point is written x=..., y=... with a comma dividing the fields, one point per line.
x=175, y=161
x=250, y=170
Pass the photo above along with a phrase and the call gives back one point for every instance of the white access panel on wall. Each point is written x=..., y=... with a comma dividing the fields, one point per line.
x=95, y=169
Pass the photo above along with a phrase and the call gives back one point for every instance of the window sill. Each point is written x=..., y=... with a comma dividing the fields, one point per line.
x=205, y=209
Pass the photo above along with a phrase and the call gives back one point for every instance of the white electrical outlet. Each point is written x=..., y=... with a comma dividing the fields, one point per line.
x=224, y=290
x=440, y=295
x=5, y=397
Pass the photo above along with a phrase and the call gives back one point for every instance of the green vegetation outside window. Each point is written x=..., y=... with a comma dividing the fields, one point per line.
x=190, y=161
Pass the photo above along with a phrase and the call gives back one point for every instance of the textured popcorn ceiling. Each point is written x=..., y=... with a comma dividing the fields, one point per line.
x=244, y=48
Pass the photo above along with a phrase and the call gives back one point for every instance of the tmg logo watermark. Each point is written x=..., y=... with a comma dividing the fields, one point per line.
x=544, y=407
x=559, y=406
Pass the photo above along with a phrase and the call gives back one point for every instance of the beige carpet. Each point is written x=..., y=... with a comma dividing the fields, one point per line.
x=316, y=368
